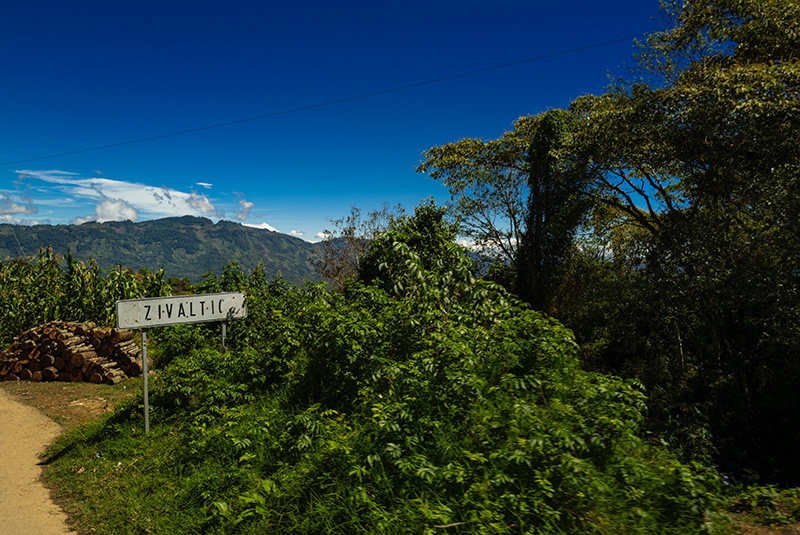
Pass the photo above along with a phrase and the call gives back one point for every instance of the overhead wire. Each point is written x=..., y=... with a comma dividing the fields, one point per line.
x=329, y=102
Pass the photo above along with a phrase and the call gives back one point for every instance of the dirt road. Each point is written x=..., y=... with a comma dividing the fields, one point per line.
x=25, y=504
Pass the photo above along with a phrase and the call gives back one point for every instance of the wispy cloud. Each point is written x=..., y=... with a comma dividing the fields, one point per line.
x=8, y=206
x=202, y=204
x=204, y=185
x=244, y=213
x=124, y=200
x=5, y=218
x=163, y=196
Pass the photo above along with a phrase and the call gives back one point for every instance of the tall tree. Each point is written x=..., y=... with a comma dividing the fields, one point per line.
x=701, y=156
x=693, y=169
x=557, y=204
x=488, y=188
x=517, y=198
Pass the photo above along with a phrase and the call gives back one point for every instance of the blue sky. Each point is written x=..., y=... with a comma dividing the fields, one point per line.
x=80, y=75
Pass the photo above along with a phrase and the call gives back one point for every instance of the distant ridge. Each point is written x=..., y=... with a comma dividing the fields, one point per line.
x=185, y=246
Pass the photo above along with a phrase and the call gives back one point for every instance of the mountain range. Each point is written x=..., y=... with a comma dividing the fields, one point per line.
x=186, y=247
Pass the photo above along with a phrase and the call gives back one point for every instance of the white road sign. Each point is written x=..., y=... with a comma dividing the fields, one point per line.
x=160, y=311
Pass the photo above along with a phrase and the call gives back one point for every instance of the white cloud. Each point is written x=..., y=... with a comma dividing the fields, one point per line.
x=296, y=233
x=471, y=245
x=245, y=211
x=202, y=204
x=116, y=210
x=8, y=206
x=204, y=185
x=10, y=219
x=59, y=202
x=110, y=210
x=263, y=226
x=140, y=198
x=54, y=174
x=163, y=196
x=322, y=235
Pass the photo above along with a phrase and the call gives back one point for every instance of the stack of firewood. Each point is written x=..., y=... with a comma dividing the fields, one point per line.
x=66, y=351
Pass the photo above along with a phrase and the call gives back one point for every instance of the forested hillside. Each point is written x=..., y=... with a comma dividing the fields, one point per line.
x=186, y=247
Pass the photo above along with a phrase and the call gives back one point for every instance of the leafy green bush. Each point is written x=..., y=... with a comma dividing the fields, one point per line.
x=424, y=402
x=441, y=407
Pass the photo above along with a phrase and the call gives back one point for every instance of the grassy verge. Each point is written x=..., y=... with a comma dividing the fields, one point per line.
x=111, y=479
x=767, y=507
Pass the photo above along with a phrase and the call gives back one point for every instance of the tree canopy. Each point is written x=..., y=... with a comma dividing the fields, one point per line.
x=672, y=222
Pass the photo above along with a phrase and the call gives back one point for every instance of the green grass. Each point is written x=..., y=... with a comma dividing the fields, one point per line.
x=111, y=479
x=766, y=505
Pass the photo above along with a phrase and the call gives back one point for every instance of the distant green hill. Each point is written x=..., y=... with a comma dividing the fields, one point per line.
x=184, y=246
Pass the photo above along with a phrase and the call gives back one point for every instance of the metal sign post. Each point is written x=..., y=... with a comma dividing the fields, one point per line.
x=224, y=325
x=160, y=311
x=146, y=393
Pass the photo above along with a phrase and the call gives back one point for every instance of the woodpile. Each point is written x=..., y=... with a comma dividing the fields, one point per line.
x=68, y=351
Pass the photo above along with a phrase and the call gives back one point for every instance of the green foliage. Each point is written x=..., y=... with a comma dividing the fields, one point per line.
x=427, y=234
x=696, y=166
x=182, y=286
x=176, y=341
x=439, y=404
x=40, y=289
x=488, y=184
x=686, y=272
x=557, y=205
x=766, y=505
x=519, y=198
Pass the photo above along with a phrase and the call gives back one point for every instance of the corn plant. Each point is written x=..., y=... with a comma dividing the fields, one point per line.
x=48, y=286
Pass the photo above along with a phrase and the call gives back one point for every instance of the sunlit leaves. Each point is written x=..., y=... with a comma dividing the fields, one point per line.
x=47, y=287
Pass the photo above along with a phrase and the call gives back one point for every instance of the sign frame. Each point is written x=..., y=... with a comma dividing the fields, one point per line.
x=182, y=309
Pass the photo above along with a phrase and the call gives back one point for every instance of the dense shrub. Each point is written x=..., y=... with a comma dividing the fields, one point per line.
x=423, y=402
x=443, y=406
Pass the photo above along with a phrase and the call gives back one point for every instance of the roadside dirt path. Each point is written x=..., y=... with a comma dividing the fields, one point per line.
x=25, y=504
